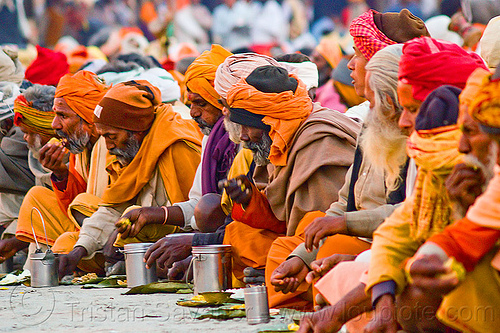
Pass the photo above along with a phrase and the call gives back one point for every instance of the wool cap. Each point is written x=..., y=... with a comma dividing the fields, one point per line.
x=129, y=105
x=400, y=27
x=439, y=109
x=272, y=79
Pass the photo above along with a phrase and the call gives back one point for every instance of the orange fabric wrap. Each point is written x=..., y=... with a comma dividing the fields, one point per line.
x=167, y=129
x=200, y=75
x=281, y=249
x=82, y=91
x=284, y=112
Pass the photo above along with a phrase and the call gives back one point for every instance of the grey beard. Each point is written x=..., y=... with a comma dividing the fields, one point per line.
x=233, y=129
x=77, y=141
x=205, y=128
x=35, y=148
x=260, y=149
x=487, y=169
x=125, y=156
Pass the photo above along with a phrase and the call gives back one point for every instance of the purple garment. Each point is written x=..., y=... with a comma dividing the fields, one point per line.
x=217, y=158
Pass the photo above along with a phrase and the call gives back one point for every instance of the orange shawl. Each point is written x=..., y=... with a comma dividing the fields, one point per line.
x=284, y=112
x=168, y=128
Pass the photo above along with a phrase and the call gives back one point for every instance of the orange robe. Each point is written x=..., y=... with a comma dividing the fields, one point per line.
x=283, y=247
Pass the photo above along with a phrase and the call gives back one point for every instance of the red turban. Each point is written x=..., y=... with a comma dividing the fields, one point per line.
x=47, y=68
x=428, y=63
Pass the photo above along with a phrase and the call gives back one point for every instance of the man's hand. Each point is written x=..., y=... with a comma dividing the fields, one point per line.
x=180, y=269
x=131, y=223
x=289, y=275
x=9, y=247
x=426, y=273
x=465, y=184
x=239, y=189
x=323, y=227
x=322, y=266
x=322, y=321
x=68, y=262
x=111, y=253
x=52, y=158
x=384, y=318
x=169, y=249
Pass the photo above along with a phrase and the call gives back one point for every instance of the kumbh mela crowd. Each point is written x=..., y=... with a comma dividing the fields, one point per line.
x=356, y=176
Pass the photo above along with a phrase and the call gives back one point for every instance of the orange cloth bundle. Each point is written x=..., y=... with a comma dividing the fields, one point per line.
x=82, y=91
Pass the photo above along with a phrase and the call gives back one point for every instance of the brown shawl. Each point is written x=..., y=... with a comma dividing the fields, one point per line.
x=322, y=151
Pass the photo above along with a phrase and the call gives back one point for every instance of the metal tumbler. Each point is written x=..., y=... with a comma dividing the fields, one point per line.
x=256, y=305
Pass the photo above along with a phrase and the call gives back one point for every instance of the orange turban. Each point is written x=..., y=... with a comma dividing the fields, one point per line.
x=82, y=91
x=284, y=112
x=200, y=75
x=473, y=85
x=485, y=107
x=329, y=48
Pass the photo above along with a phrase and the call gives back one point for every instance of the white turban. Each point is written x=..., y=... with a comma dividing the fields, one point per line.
x=158, y=77
x=307, y=72
x=490, y=43
x=238, y=66
x=11, y=69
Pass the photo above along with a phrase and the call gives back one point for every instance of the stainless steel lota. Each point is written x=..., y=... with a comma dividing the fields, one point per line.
x=137, y=273
x=212, y=268
x=256, y=305
x=44, y=269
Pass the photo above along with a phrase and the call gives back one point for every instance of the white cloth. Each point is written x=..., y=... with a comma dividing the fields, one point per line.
x=359, y=112
x=270, y=24
x=232, y=26
x=195, y=195
x=158, y=77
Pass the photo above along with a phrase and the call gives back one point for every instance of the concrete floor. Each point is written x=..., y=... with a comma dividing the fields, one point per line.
x=73, y=309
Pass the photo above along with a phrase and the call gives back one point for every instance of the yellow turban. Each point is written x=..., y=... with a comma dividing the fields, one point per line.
x=200, y=75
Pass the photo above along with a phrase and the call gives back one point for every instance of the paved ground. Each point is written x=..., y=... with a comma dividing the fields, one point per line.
x=72, y=309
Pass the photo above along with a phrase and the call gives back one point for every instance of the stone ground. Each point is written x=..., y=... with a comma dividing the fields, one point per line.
x=72, y=309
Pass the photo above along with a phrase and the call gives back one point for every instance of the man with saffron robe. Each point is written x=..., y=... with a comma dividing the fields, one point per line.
x=471, y=243
x=218, y=152
x=145, y=140
x=75, y=99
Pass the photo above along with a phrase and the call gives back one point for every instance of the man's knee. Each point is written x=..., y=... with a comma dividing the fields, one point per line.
x=65, y=243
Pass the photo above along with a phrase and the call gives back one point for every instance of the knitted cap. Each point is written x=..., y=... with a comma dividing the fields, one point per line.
x=400, y=27
x=439, y=109
x=271, y=79
x=129, y=105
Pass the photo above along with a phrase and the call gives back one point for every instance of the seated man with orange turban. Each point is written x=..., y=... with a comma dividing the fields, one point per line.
x=218, y=152
x=75, y=99
x=302, y=157
x=145, y=140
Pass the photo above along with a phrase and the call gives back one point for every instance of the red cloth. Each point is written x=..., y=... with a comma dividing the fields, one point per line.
x=258, y=213
x=47, y=68
x=428, y=63
x=466, y=241
x=367, y=37
x=67, y=190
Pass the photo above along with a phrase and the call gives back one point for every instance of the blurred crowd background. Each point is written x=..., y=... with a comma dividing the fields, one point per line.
x=172, y=29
